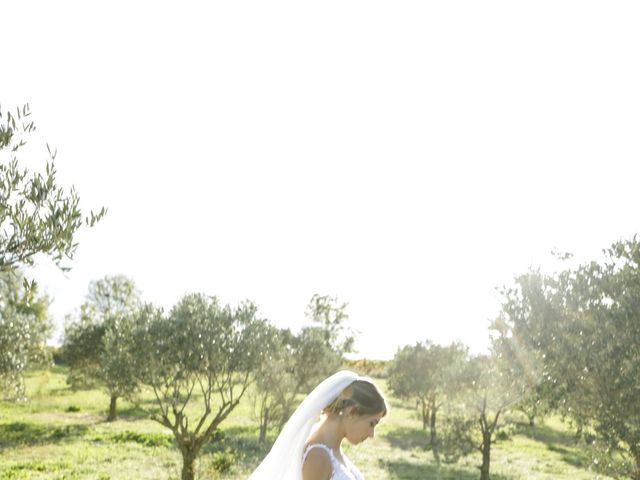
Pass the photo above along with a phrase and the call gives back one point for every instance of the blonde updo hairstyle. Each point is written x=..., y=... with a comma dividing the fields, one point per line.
x=364, y=398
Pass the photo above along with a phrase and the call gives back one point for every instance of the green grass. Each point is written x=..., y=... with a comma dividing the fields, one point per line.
x=62, y=434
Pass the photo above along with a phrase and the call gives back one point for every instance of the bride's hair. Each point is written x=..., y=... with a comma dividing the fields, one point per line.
x=362, y=395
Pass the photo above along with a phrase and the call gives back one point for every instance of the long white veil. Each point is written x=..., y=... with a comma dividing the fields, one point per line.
x=284, y=461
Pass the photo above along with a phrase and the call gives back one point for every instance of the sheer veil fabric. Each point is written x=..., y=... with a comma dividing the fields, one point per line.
x=284, y=461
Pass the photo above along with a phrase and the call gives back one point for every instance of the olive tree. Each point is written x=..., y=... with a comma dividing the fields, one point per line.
x=98, y=346
x=37, y=217
x=297, y=363
x=276, y=383
x=198, y=360
x=430, y=374
x=492, y=387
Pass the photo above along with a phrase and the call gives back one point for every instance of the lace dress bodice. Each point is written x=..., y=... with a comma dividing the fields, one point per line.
x=340, y=471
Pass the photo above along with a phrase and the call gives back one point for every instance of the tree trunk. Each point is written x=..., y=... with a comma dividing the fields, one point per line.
x=532, y=420
x=432, y=426
x=424, y=410
x=486, y=455
x=285, y=417
x=189, y=456
x=263, y=426
x=112, y=409
x=578, y=435
x=433, y=439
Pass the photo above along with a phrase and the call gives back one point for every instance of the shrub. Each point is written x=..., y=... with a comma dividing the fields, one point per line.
x=223, y=461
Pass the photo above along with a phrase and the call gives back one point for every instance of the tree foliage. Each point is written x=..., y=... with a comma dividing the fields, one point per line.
x=24, y=328
x=83, y=347
x=37, y=215
x=530, y=310
x=597, y=352
x=330, y=316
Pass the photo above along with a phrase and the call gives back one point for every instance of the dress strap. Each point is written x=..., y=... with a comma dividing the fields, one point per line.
x=323, y=447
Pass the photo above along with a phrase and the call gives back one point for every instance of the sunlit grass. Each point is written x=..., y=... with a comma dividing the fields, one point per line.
x=60, y=433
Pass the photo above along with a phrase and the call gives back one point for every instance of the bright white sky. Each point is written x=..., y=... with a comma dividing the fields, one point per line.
x=408, y=157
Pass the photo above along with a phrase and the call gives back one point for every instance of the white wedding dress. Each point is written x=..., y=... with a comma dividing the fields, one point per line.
x=340, y=471
x=284, y=461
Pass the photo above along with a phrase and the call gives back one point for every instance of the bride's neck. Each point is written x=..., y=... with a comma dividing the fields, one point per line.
x=331, y=432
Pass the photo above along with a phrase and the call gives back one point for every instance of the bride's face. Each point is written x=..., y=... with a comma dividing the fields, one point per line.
x=360, y=427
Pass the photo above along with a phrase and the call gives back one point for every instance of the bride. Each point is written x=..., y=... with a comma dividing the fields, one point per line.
x=344, y=406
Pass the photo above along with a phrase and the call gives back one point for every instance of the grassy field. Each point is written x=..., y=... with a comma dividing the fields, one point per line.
x=62, y=434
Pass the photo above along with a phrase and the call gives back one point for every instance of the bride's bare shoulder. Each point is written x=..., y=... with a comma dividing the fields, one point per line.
x=317, y=465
